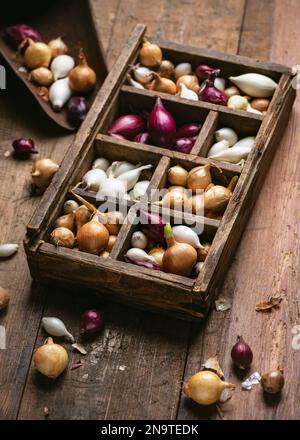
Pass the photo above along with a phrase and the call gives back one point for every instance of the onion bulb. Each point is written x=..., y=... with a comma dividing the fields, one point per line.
x=139, y=240
x=43, y=172
x=199, y=178
x=206, y=387
x=93, y=237
x=37, y=55
x=82, y=78
x=150, y=54
x=50, y=359
x=113, y=221
x=166, y=69
x=111, y=242
x=70, y=206
x=162, y=84
x=179, y=258
x=216, y=198
x=65, y=221
x=62, y=237
x=182, y=69
x=157, y=253
x=174, y=200
x=82, y=216
x=273, y=381
x=177, y=175
x=58, y=47
x=190, y=81
x=4, y=298
x=42, y=76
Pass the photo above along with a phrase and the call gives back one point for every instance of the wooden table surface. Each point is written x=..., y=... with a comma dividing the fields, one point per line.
x=135, y=368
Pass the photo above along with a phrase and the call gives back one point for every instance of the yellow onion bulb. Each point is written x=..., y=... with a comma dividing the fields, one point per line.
x=65, y=221
x=43, y=172
x=111, y=242
x=50, y=359
x=4, y=298
x=82, y=216
x=177, y=175
x=216, y=199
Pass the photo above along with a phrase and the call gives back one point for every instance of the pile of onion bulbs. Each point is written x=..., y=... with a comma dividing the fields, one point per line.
x=200, y=82
x=53, y=70
x=158, y=246
x=159, y=129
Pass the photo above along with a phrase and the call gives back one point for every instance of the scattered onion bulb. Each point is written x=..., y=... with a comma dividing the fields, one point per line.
x=62, y=237
x=139, y=240
x=58, y=47
x=182, y=69
x=4, y=298
x=205, y=387
x=70, y=206
x=199, y=178
x=55, y=327
x=37, y=55
x=82, y=78
x=43, y=172
x=241, y=354
x=177, y=175
x=50, y=359
x=150, y=54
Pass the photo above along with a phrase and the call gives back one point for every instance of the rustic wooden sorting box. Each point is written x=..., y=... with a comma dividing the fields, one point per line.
x=182, y=297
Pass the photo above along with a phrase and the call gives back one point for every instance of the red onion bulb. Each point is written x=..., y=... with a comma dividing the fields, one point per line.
x=241, y=354
x=161, y=126
x=92, y=322
x=142, y=138
x=20, y=32
x=153, y=226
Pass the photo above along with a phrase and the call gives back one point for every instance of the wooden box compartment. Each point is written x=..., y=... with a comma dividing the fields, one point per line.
x=187, y=298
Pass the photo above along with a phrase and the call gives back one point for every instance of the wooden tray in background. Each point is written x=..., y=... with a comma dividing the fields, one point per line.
x=73, y=21
x=182, y=297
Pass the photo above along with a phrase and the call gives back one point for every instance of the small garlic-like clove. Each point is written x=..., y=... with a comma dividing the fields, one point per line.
x=60, y=93
x=227, y=134
x=246, y=142
x=218, y=147
x=184, y=234
x=233, y=155
x=120, y=167
x=134, y=83
x=142, y=74
x=131, y=177
x=255, y=84
x=55, y=327
x=8, y=249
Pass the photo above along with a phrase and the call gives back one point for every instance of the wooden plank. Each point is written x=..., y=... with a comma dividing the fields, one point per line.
x=149, y=346
x=267, y=261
